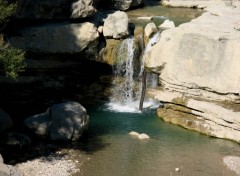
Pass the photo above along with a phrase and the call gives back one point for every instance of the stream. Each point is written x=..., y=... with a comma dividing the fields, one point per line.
x=109, y=150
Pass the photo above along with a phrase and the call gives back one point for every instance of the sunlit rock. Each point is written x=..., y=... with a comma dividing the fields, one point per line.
x=143, y=136
x=145, y=18
x=82, y=9
x=233, y=163
x=167, y=24
x=116, y=25
x=150, y=29
x=134, y=133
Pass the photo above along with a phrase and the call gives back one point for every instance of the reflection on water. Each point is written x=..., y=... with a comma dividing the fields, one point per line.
x=169, y=147
x=160, y=13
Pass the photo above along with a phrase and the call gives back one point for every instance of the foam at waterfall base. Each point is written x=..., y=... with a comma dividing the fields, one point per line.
x=131, y=107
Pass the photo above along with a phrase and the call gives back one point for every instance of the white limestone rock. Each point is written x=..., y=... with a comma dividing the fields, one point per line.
x=134, y=133
x=167, y=24
x=116, y=25
x=150, y=29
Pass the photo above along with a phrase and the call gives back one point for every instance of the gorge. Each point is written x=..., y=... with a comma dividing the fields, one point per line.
x=94, y=54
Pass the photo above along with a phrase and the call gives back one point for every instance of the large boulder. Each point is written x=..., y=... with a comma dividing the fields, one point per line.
x=116, y=25
x=57, y=9
x=198, y=64
x=125, y=4
x=69, y=121
x=39, y=124
x=56, y=38
x=64, y=121
x=5, y=121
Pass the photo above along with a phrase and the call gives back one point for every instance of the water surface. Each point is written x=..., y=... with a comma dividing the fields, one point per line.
x=160, y=13
x=111, y=151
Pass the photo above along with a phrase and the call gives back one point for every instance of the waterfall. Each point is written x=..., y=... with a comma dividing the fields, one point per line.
x=124, y=68
x=128, y=70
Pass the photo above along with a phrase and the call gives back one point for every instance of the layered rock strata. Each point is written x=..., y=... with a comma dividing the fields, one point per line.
x=198, y=66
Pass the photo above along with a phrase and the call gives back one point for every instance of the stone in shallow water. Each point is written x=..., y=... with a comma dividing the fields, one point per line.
x=138, y=135
x=143, y=136
x=134, y=133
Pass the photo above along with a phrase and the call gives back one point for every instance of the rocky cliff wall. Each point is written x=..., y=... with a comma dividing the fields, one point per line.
x=200, y=75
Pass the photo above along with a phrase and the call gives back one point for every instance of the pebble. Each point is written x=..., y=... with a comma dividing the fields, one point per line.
x=48, y=166
x=177, y=169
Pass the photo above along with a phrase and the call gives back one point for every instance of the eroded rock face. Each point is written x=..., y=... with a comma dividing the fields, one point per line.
x=200, y=59
x=57, y=9
x=211, y=118
x=116, y=25
x=198, y=65
x=56, y=38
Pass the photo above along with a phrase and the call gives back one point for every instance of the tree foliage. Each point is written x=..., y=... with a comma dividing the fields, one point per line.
x=6, y=10
x=12, y=60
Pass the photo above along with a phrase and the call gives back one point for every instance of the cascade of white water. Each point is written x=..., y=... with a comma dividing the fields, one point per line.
x=152, y=42
x=126, y=93
x=125, y=68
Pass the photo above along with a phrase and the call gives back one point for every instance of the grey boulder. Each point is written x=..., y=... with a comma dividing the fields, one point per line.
x=64, y=121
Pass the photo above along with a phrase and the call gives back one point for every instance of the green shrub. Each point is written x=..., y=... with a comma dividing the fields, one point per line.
x=11, y=59
x=6, y=10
